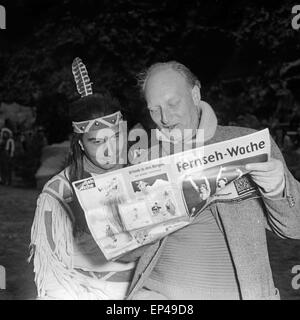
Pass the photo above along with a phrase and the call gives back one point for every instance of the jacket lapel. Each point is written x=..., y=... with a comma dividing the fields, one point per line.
x=245, y=233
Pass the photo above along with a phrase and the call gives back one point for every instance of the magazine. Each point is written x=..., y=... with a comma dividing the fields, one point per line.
x=140, y=204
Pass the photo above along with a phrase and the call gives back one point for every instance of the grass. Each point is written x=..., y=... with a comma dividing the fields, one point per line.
x=16, y=216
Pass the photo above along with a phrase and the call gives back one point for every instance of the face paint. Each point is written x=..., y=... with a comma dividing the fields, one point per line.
x=106, y=147
x=106, y=151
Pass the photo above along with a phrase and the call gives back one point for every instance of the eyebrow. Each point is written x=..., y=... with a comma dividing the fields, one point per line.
x=93, y=138
x=171, y=100
x=174, y=100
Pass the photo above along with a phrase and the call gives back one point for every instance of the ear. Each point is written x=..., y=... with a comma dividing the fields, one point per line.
x=196, y=95
x=81, y=145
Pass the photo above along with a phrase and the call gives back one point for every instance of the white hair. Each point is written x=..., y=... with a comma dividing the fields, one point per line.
x=191, y=79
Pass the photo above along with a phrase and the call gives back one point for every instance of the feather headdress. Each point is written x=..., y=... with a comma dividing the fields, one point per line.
x=82, y=79
x=84, y=88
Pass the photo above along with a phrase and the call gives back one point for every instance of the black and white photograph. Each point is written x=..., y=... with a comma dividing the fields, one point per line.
x=78, y=80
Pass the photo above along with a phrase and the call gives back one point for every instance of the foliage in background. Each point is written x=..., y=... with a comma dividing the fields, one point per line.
x=237, y=49
x=28, y=157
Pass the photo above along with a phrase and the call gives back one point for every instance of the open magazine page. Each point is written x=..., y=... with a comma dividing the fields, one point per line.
x=131, y=207
x=217, y=172
x=136, y=205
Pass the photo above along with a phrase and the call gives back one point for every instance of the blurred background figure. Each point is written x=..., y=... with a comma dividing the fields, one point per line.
x=7, y=150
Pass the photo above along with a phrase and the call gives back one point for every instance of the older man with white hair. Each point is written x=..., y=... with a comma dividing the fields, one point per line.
x=223, y=254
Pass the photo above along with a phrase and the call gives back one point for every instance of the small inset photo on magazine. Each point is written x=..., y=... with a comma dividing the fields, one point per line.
x=158, y=192
x=200, y=186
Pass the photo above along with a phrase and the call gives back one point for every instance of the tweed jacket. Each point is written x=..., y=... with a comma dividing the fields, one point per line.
x=244, y=225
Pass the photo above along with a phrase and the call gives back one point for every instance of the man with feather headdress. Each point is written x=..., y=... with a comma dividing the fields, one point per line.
x=68, y=263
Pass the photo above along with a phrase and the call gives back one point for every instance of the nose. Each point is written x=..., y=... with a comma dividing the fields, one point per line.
x=164, y=116
x=106, y=153
x=110, y=147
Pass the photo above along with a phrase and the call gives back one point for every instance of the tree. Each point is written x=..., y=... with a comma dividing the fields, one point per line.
x=236, y=49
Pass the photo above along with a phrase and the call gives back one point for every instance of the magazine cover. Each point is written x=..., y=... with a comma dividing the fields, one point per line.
x=137, y=205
